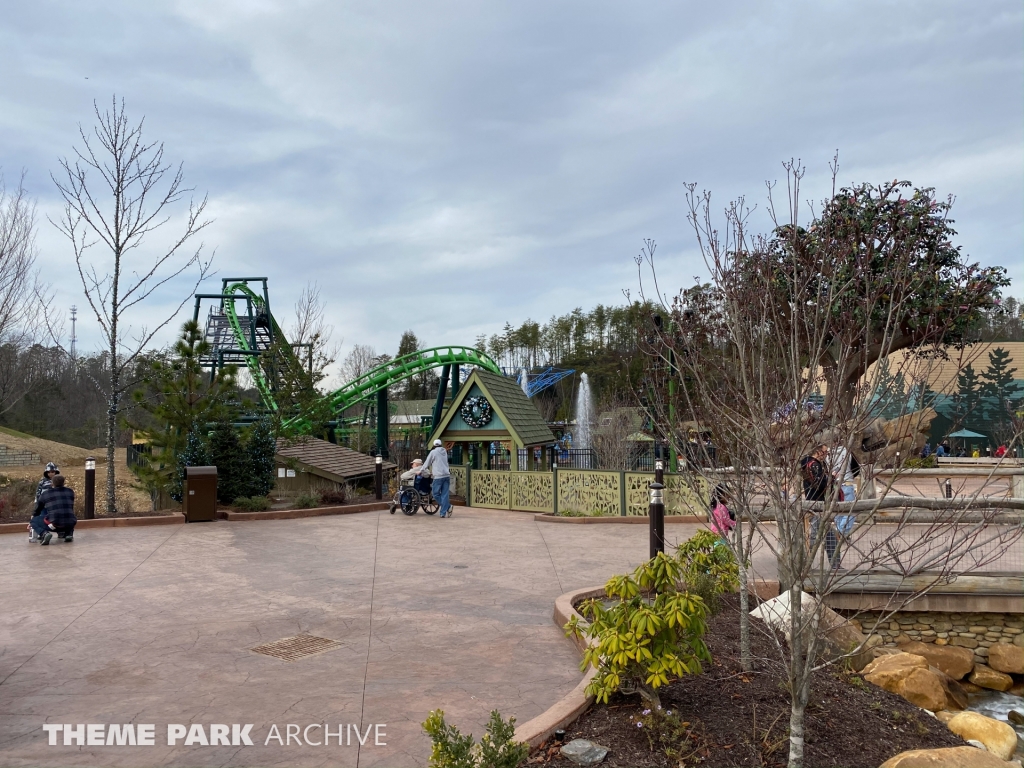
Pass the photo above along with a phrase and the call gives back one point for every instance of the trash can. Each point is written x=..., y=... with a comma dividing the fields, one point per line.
x=199, y=496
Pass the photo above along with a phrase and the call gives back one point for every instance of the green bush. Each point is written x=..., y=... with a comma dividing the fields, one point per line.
x=918, y=463
x=708, y=567
x=650, y=635
x=307, y=501
x=252, y=503
x=497, y=749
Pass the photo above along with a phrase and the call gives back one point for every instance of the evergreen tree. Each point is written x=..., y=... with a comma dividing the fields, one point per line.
x=180, y=400
x=968, y=396
x=260, y=449
x=194, y=454
x=1001, y=393
x=228, y=455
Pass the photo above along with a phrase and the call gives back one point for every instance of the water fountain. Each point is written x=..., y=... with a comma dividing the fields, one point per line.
x=584, y=417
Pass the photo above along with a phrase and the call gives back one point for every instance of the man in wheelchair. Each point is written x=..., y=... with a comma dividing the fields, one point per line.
x=414, y=491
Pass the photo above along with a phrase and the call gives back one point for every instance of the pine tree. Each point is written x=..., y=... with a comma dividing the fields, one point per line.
x=195, y=454
x=1002, y=394
x=260, y=449
x=228, y=455
x=181, y=401
x=968, y=396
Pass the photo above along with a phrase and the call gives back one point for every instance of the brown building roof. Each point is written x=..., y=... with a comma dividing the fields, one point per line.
x=334, y=462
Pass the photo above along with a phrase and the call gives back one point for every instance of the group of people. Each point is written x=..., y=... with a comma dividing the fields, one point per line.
x=55, y=509
x=829, y=474
x=433, y=475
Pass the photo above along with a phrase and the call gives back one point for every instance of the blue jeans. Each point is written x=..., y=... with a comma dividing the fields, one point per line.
x=439, y=488
x=38, y=525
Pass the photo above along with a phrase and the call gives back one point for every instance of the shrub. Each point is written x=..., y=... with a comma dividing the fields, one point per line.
x=708, y=567
x=306, y=501
x=640, y=642
x=227, y=455
x=328, y=496
x=918, y=463
x=497, y=749
x=252, y=503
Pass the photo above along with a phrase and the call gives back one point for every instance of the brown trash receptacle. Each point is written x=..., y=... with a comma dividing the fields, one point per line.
x=200, y=494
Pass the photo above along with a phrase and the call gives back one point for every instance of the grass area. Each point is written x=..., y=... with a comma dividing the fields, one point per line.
x=15, y=433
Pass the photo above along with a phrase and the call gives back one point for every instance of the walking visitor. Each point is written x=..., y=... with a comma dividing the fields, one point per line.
x=437, y=464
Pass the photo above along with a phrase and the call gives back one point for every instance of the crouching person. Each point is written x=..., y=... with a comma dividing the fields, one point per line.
x=55, y=513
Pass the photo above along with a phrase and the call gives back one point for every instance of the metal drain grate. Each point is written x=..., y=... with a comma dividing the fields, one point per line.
x=298, y=647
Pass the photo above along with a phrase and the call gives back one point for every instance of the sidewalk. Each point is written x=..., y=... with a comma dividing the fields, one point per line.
x=155, y=625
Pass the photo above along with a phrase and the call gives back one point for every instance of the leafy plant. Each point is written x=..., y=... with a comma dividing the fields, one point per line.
x=497, y=749
x=919, y=463
x=252, y=503
x=708, y=567
x=669, y=733
x=307, y=501
x=652, y=633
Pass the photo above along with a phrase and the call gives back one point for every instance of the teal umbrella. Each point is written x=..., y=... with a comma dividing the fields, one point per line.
x=964, y=433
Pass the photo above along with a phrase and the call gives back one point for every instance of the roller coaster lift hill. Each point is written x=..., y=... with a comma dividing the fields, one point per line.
x=242, y=335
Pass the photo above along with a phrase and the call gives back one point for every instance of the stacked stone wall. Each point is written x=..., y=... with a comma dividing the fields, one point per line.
x=10, y=457
x=977, y=631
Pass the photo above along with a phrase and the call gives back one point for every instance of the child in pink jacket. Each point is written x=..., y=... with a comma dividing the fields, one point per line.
x=722, y=520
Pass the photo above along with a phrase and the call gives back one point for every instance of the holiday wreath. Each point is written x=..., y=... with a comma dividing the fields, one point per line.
x=476, y=412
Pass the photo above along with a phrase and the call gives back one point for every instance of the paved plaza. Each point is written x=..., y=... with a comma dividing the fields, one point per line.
x=155, y=625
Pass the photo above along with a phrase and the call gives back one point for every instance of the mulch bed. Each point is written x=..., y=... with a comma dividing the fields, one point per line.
x=742, y=719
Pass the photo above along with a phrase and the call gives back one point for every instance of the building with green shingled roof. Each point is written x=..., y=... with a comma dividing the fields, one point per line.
x=491, y=408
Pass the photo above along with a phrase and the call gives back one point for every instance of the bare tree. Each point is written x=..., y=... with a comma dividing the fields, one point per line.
x=359, y=361
x=764, y=354
x=22, y=299
x=117, y=191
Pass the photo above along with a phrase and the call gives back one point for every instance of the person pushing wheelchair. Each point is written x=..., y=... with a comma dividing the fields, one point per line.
x=437, y=464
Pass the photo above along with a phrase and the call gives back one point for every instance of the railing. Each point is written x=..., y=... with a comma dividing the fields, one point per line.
x=578, y=492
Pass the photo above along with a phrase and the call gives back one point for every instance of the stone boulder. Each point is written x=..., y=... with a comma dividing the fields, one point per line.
x=910, y=677
x=998, y=737
x=989, y=678
x=887, y=670
x=955, y=662
x=949, y=757
x=841, y=636
x=583, y=752
x=956, y=696
x=1003, y=657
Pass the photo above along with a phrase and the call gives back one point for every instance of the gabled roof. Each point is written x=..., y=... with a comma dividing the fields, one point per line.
x=514, y=408
x=335, y=462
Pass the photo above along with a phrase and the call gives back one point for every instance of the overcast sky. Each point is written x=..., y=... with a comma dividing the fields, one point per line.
x=447, y=167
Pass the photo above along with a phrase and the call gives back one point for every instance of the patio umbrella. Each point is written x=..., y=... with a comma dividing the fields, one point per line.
x=964, y=433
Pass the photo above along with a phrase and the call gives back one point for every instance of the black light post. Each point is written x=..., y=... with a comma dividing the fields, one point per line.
x=659, y=471
x=90, y=488
x=378, y=477
x=656, y=515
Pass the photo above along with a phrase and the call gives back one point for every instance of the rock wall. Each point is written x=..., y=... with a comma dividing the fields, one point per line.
x=977, y=631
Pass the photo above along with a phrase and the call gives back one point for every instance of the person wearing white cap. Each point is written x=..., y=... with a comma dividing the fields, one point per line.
x=437, y=465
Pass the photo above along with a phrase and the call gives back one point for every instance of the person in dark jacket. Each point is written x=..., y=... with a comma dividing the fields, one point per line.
x=817, y=487
x=49, y=473
x=55, y=512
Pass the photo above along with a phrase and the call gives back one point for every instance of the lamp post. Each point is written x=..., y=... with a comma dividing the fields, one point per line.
x=378, y=477
x=90, y=488
x=659, y=471
x=656, y=516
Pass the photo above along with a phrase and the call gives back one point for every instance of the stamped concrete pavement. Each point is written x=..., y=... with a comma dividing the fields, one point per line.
x=156, y=626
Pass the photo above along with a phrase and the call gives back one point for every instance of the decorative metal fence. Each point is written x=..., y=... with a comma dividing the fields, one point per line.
x=577, y=492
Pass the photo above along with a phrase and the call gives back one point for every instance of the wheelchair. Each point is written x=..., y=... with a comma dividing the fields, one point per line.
x=414, y=495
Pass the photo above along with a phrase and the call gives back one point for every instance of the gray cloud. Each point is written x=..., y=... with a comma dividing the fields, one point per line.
x=449, y=166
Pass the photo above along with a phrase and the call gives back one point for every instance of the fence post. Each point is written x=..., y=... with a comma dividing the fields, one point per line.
x=469, y=486
x=554, y=485
x=622, y=494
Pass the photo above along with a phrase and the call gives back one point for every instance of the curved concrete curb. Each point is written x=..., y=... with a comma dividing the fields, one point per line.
x=547, y=517
x=574, y=703
x=569, y=708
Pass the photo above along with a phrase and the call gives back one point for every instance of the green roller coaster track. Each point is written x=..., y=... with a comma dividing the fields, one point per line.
x=356, y=391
